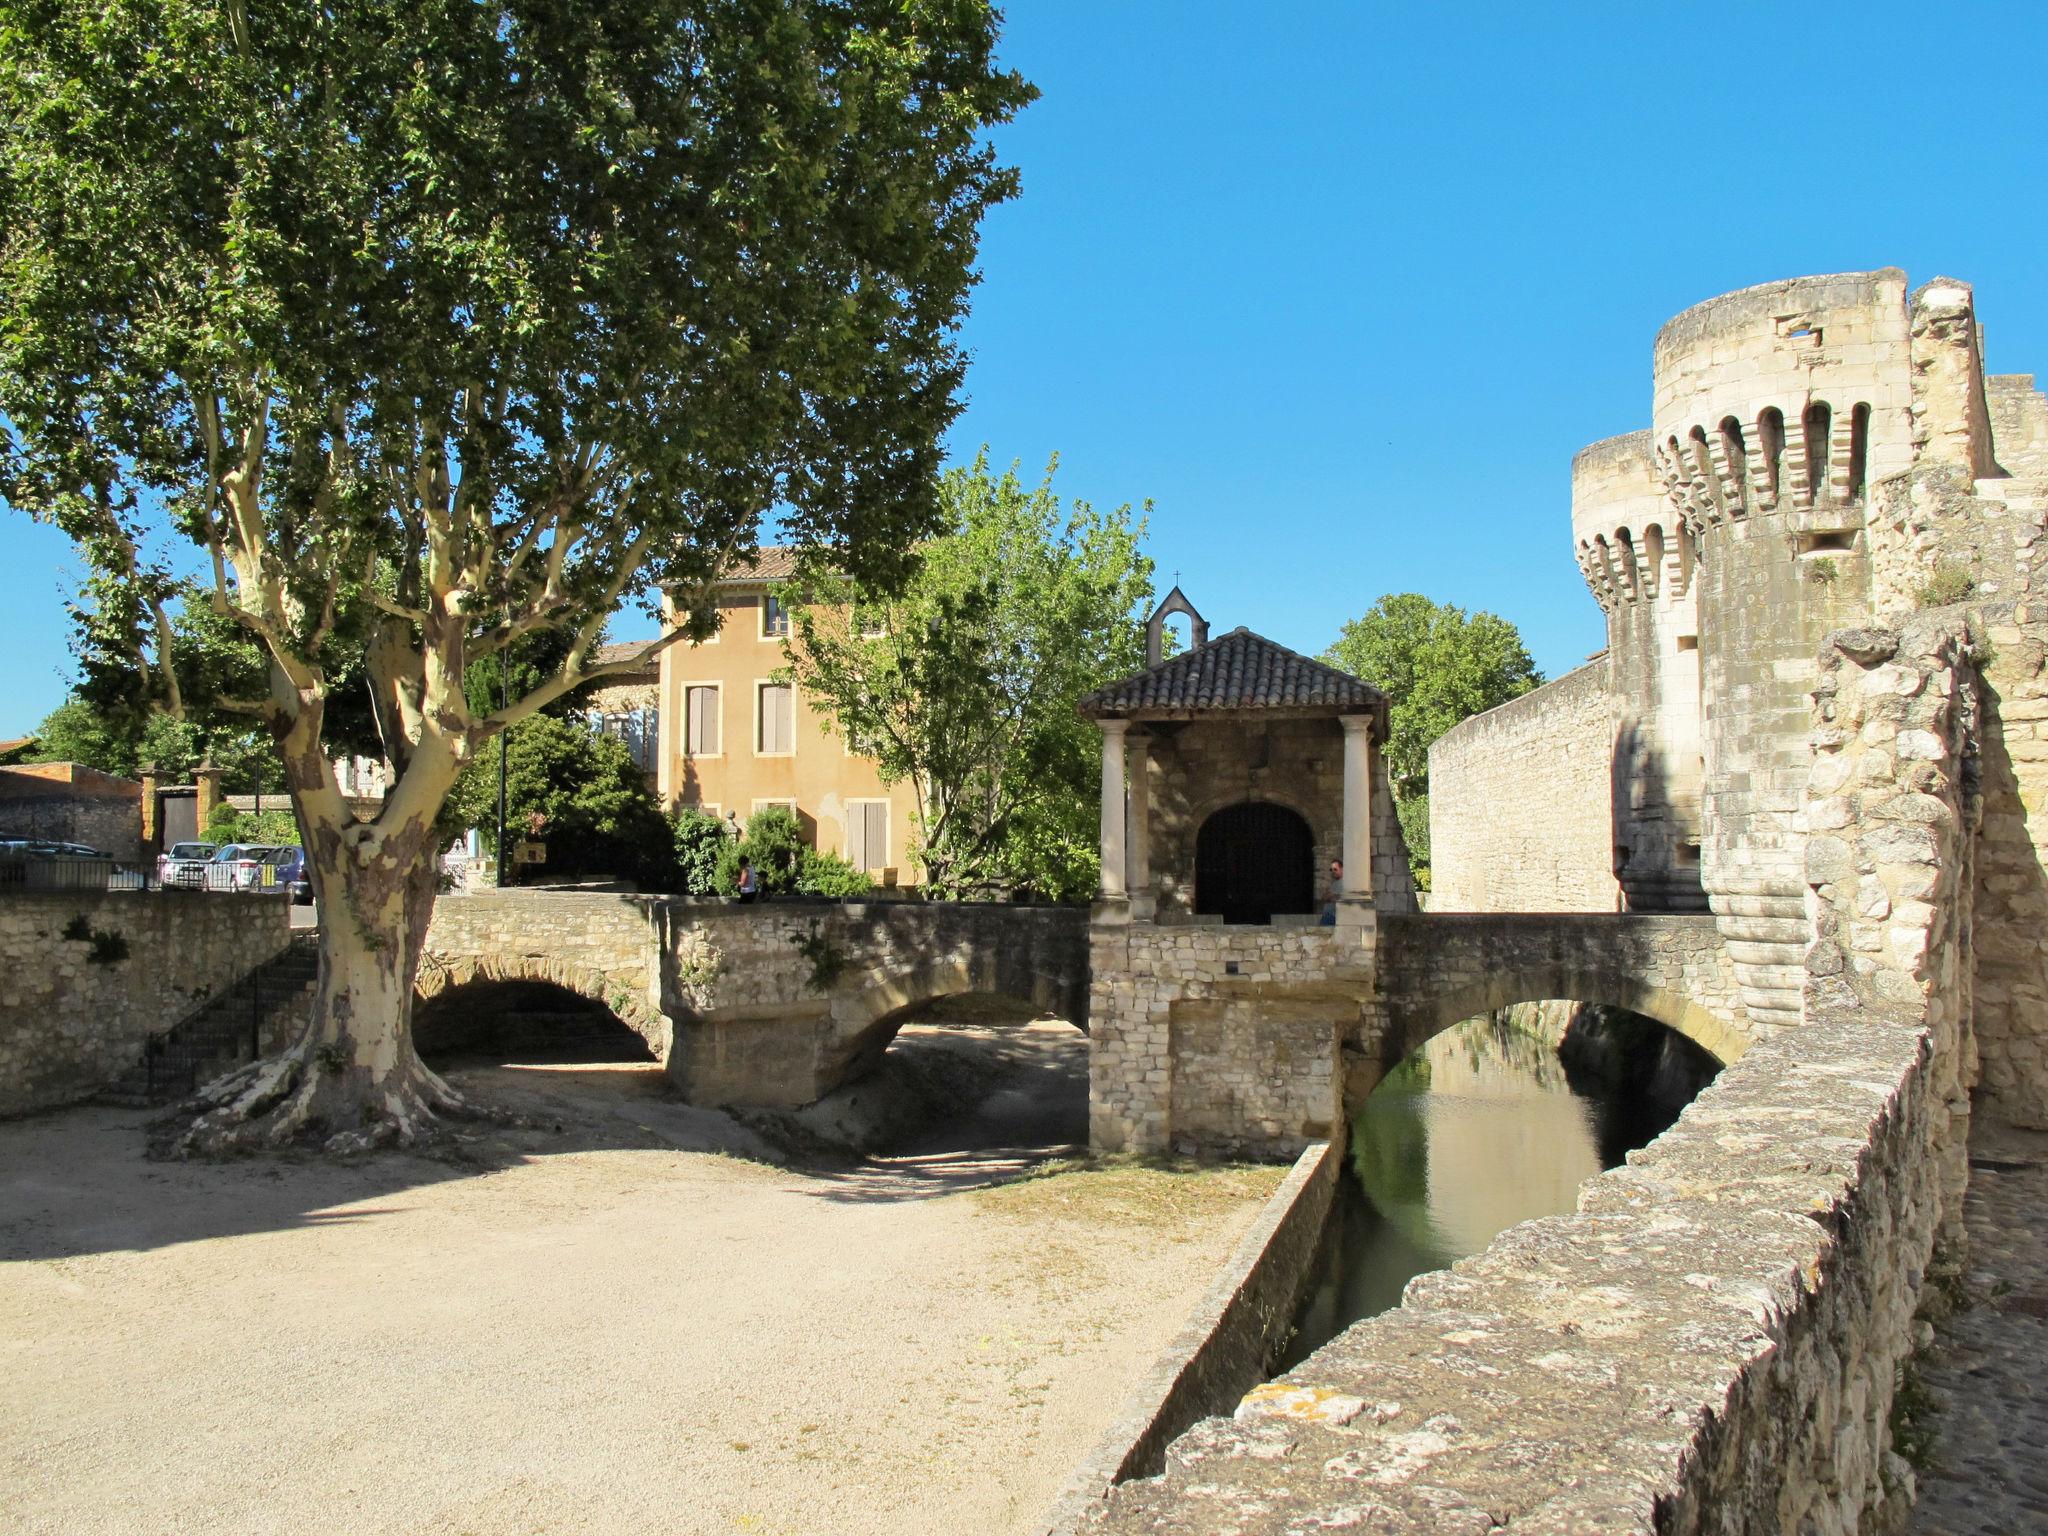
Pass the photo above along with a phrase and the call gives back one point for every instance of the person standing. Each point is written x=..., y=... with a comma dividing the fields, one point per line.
x=750, y=887
x=1336, y=890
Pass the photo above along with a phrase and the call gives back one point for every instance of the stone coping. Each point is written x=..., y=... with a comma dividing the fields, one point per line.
x=1712, y=1330
x=1242, y=1319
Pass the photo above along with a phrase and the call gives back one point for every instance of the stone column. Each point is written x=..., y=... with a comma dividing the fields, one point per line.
x=1355, y=907
x=1114, y=905
x=208, y=778
x=1139, y=880
x=151, y=831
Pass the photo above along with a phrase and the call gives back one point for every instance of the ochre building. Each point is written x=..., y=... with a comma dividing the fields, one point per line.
x=734, y=739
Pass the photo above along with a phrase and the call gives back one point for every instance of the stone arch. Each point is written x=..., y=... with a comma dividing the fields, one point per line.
x=440, y=973
x=865, y=1021
x=1421, y=1020
x=1255, y=857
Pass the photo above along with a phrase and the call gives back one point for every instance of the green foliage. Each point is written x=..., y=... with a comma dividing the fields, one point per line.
x=1438, y=665
x=827, y=874
x=78, y=930
x=423, y=333
x=124, y=742
x=773, y=844
x=699, y=839
x=968, y=689
x=1823, y=571
x=107, y=948
x=576, y=790
x=228, y=825
x=1413, y=810
x=1951, y=582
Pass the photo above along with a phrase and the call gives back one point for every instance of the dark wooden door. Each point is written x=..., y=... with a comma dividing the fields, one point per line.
x=1254, y=860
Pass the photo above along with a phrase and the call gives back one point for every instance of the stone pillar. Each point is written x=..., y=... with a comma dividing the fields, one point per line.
x=152, y=829
x=1355, y=907
x=1139, y=880
x=208, y=779
x=1114, y=905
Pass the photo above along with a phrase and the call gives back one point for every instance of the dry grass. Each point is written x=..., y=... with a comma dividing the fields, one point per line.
x=1147, y=1193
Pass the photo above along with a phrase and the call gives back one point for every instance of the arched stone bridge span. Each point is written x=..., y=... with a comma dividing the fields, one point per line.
x=771, y=1004
x=1437, y=968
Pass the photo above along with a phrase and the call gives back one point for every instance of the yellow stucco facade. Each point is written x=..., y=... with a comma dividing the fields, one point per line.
x=737, y=746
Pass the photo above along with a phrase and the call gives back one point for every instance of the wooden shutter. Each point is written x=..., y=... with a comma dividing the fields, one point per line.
x=868, y=834
x=702, y=727
x=776, y=722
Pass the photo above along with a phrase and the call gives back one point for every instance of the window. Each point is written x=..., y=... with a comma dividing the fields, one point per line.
x=774, y=720
x=700, y=720
x=869, y=621
x=637, y=728
x=774, y=618
x=867, y=833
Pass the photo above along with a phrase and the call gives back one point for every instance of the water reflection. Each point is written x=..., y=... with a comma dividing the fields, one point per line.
x=1484, y=1127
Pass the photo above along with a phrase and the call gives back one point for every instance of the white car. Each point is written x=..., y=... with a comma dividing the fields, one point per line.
x=182, y=866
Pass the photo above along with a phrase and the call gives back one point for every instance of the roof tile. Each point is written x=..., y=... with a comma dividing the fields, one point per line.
x=1237, y=671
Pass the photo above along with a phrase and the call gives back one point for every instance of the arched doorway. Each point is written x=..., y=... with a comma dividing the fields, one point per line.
x=1253, y=861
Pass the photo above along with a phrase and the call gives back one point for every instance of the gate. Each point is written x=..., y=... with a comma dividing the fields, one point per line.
x=1253, y=861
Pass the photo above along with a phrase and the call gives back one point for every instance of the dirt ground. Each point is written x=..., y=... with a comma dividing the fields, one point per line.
x=625, y=1325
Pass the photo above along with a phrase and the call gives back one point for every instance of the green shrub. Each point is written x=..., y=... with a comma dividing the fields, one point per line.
x=1950, y=583
x=827, y=874
x=774, y=843
x=228, y=825
x=700, y=840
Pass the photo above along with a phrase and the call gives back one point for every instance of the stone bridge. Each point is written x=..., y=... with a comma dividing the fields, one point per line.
x=772, y=1004
x=1438, y=968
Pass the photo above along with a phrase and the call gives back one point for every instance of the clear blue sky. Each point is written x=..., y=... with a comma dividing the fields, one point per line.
x=1342, y=287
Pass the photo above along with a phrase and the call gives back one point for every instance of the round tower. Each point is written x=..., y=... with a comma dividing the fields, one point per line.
x=1775, y=408
x=1637, y=556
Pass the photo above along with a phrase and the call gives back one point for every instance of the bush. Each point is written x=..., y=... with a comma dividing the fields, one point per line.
x=1950, y=583
x=700, y=841
x=827, y=874
x=228, y=825
x=774, y=844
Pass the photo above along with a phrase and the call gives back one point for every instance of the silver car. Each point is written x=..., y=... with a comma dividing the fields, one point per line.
x=182, y=866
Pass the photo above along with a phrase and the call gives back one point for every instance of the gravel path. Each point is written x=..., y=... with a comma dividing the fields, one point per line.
x=613, y=1328
x=1988, y=1375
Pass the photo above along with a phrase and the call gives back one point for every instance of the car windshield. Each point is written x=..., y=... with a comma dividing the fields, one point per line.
x=227, y=855
x=191, y=850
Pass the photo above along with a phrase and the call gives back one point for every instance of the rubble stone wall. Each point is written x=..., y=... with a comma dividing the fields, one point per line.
x=86, y=976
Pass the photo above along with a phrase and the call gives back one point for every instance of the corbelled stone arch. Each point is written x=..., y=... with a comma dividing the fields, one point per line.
x=442, y=973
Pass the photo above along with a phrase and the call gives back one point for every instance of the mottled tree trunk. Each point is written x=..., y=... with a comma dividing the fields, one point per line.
x=352, y=1080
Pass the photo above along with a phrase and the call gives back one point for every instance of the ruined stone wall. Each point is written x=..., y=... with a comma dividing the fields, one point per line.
x=1519, y=799
x=1711, y=1344
x=75, y=1010
x=1218, y=1039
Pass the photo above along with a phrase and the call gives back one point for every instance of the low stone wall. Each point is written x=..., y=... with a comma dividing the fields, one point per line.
x=1712, y=1343
x=1520, y=803
x=1240, y=1326
x=86, y=976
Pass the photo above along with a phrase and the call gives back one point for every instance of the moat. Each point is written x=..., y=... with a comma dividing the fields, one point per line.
x=1484, y=1127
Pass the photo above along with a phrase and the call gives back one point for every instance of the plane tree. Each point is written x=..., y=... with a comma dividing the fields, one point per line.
x=414, y=329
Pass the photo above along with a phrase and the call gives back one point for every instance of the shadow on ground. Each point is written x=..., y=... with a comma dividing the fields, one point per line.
x=991, y=1101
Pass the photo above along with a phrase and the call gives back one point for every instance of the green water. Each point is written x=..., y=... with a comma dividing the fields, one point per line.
x=1481, y=1129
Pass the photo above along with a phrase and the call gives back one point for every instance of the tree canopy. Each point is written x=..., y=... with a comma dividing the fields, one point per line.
x=964, y=683
x=417, y=330
x=1438, y=665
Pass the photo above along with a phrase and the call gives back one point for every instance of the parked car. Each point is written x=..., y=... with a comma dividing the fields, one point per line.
x=244, y=867
x=182, y=866
x=291, y=873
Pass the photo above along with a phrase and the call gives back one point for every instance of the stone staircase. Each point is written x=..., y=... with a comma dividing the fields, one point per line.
x=258, y=1014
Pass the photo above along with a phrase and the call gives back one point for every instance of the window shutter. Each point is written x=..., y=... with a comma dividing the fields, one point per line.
x=869, y=835
x=702, y=724
x=776, y=734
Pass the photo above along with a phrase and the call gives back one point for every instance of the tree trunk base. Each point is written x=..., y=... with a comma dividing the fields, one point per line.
x=304, y=1100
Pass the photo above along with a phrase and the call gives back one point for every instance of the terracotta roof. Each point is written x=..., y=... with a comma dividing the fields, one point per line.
x=604, y=655
x=1237, y=671
x=769, y=562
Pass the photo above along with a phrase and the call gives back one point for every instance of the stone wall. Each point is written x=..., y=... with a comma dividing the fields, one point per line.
x=1519, y=803
x=86, y=976
x=69, y=803
x=1220, y=1039
x=1712, y=1343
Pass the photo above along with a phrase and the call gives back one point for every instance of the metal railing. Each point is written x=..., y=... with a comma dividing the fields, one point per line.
x=42, y=872
x=243, y=877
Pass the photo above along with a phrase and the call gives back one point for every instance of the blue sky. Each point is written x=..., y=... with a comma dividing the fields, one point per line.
x=1342, y=287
